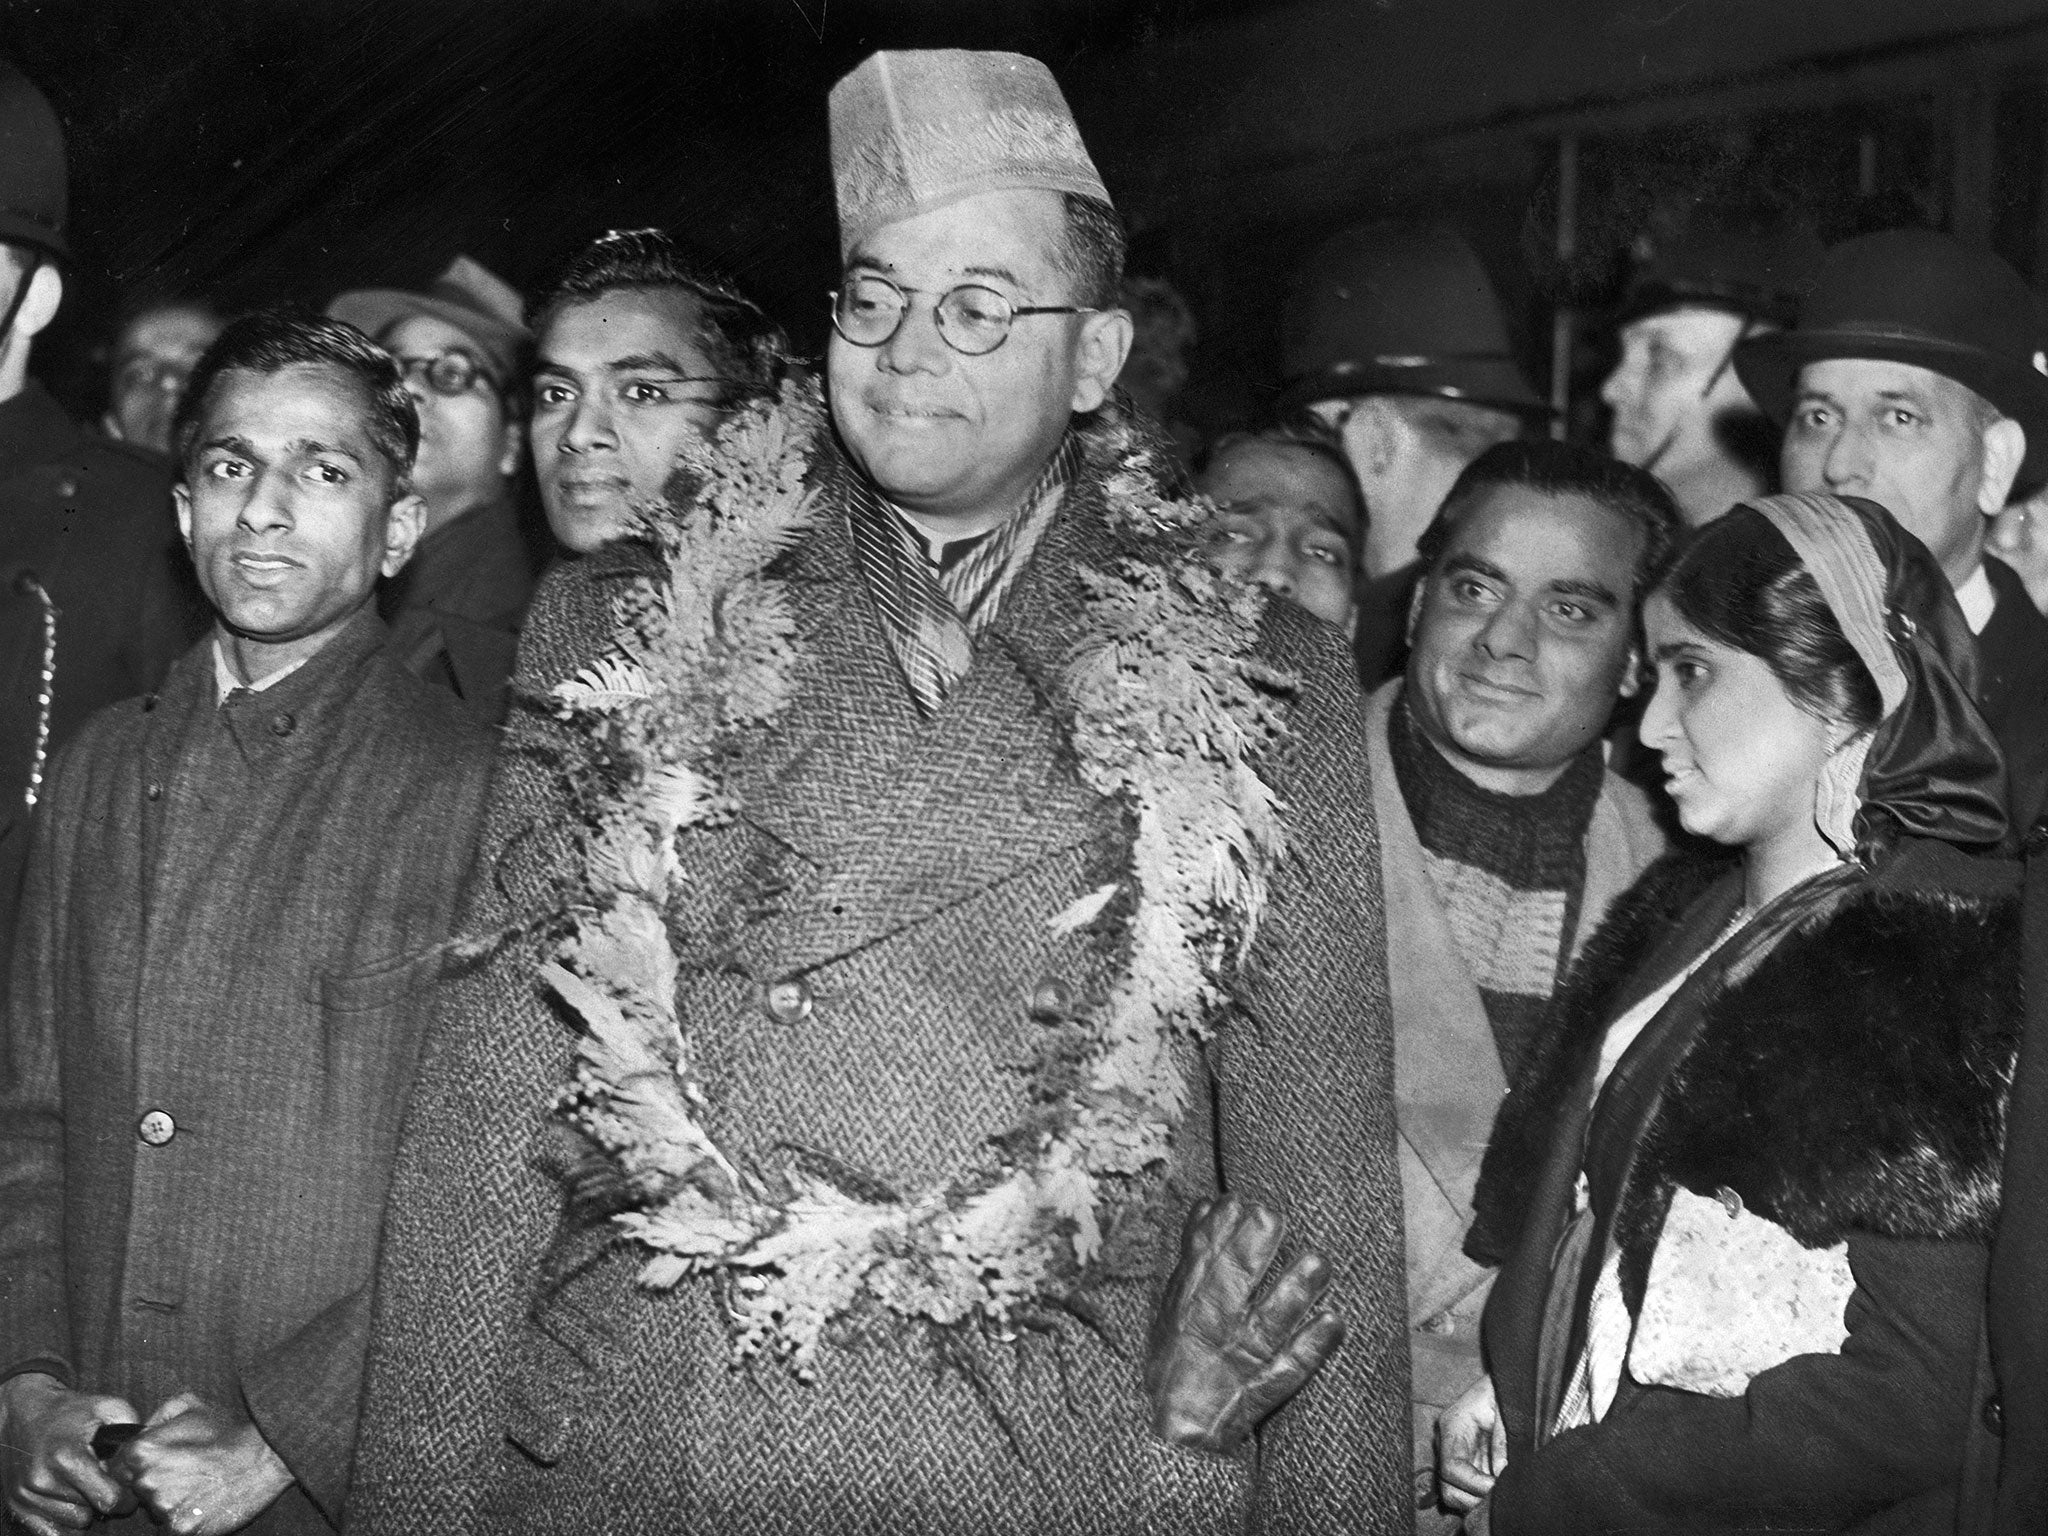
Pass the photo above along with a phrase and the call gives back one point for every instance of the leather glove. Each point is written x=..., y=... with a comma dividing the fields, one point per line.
x=1217, y=1362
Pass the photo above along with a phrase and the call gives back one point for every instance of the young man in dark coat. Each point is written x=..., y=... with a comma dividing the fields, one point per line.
x=236, y=902
x=859, y=952
x=95, y=602
x=1915, y=378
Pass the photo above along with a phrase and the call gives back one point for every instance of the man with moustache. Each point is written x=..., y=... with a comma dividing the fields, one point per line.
x=1504, y=836
x=860, y=947
x=235, y=906
x=1916, y=377
x=456, y=606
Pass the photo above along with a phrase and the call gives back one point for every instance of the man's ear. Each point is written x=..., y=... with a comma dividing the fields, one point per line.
x=2005, y=449
x=39, y=308
x=1100, y=347
x=1415, y=609
x=402, y=530
x=515, y=448
x=1632, y=672
x=1371, y=438
x=181, y=498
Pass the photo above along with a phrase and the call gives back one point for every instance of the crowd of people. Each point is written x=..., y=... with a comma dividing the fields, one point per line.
x=924, y=951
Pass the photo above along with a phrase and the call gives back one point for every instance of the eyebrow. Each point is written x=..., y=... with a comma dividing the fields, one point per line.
x=230, y=443
x=1594, y=591
x=861, y=259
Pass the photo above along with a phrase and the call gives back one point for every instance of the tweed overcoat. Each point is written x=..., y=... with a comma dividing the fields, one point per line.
x=1447, y=1070
x=901, y=873
x=231, y=918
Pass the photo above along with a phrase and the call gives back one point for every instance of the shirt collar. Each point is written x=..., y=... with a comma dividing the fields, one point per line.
x=227, y=682
x=1977, y=600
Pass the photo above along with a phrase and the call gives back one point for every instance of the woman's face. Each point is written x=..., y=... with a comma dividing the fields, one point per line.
x=1741, y=760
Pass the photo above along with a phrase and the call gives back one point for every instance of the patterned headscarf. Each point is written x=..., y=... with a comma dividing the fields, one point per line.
x=1931, y=762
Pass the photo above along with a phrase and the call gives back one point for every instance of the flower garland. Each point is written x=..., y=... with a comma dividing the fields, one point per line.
x=1168, y=711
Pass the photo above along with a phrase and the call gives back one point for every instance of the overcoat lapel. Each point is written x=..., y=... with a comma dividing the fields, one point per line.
x=902, y=817
x=1448, y=1079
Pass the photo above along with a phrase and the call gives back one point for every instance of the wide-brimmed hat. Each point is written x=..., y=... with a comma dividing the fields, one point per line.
x=1914, y=296
x=915, y=130
x=33, y=183
x=1398, y=308
x=468, y=296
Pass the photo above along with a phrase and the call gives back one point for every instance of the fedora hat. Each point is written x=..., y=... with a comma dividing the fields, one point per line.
x=468, y=296
x=1398, y=308
x=1758, y=273
x=1914, y=296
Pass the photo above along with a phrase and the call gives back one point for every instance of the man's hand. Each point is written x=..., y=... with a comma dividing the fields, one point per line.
x=1471, y=1447
x=53, y=1481
x=201, y=1470
x=1217, y=1364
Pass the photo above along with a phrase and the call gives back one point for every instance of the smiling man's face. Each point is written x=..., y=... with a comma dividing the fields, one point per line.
x=1524, y=635
x=955, y=437
x=291, y=510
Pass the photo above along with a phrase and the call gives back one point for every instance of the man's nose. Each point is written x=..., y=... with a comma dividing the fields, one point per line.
x=589, y=426
x=917, y=346
x=1848, y=461
x=1277, y=571
x=1510, y=632
x=268, y=506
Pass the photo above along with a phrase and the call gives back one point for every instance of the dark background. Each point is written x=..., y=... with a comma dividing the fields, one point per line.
x=259, y=150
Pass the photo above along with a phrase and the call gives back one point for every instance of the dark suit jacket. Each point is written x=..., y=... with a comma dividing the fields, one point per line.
x=233, y=917
x=904, y=872
x=2008, y=1491
x=2012, y=690
x=456, y=608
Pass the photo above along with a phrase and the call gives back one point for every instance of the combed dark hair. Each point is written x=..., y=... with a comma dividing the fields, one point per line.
x=1739, y=582
x=1561, y=469
x=1091, y=250
x=272, y=340
x=741, y=341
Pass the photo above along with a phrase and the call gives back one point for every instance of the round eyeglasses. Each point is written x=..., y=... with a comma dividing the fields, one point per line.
x=972, y=319
x=447, y=373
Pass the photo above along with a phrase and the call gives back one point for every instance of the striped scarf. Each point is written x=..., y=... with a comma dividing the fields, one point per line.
x=934, y=606
x=1509, y=869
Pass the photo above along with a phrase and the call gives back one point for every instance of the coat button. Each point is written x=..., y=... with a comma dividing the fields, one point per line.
x=156, y=1128
x=153, y=790
x=282, y=723
x=1994, y=1416
x=149, y=703
x=787, y=1002
x=1052, y=998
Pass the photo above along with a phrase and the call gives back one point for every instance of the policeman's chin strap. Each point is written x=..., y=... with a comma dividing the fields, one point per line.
x=1656, y=456
x=36, y=261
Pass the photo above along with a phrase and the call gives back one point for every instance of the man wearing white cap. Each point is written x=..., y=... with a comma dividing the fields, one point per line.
x=909, y=949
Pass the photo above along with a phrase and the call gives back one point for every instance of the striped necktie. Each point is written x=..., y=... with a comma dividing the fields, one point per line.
x=932, y=609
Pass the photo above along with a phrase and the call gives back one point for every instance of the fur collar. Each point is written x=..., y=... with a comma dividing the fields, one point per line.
x=1855, y=1082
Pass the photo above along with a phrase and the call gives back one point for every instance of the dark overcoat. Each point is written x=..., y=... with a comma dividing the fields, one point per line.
x=91, y=520
x=2012, y=690
x=456, y=608
x=1850, y=1089
x=232, y=918
x=902, y=873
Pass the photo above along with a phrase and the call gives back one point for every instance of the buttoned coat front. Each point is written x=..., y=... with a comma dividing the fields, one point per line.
x=231, y=921
x=881, y=911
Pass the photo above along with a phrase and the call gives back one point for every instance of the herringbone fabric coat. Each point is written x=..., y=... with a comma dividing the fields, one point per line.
x=231, y=920
x=904, y=872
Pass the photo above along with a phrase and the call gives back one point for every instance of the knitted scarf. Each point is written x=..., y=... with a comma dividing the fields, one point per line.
x=1509, y=869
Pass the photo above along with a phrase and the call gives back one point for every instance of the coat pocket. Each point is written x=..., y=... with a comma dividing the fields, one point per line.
x=372, y=1019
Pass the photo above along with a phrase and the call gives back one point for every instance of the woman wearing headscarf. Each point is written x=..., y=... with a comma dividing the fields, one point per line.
x=1746, y=1187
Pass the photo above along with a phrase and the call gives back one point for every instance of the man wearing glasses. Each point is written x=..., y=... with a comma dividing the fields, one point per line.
x=456, y=608
x=886, y=956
